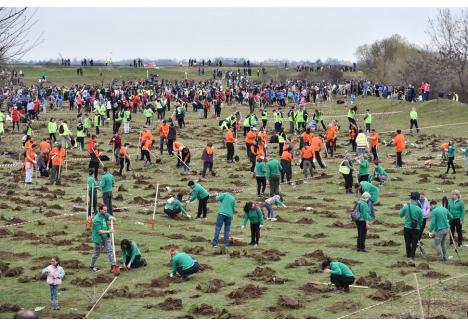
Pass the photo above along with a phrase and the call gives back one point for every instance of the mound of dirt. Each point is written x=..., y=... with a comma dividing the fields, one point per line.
x=88, y=282
x=195, y=238
x=290, y=302
x=194, y=251
x=141, y=201
x=13, y=272
x=268, y=255
x=10, y=220
x=275, y=280
x=383, y=295
x=317, y=254
x=176, y=236
x=400, y=264
x=120, y=293
x=171, y=304
x=387, y=243
x=433, y=274
x=305, y=220
x=8, y=307
x=319, y=236
x=250, y=291
x=205, y=310
x=235, y=254
x=306, y=197
x=374, y=281
x=83, y=247
x=299, y=262
x=423, y=267
x=21, y=235
x=401, y=286
x=163, y=281
x=343, y=306
x=72, y=264
x=310, y=288
x=212, y=286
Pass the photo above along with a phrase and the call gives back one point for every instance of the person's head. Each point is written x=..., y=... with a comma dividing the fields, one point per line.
x=25, y=314
x=450, y=143
x=191, y=184
x=414, y=195
x=105, y=169
x=172, y=252
x=456, y=195
x=413, y=109
x=125, y=244
x=209, y=144
x=308, y=130
x=326, y=264
x=358, y=188
x=248, y=206
x=51, y=119
x=102, y=208
x=365, y=196
x=422, y=195
x=93, y=137
x=433, y=203
x=360, y=131
x=372, y=130
x=55, y=261
x=180, y=196
x=398, y=131
x=376, y=162
x=445, y=201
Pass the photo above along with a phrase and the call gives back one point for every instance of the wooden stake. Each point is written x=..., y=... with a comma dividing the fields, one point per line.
x=102, y=295
x=419, y=296
x=153, y=221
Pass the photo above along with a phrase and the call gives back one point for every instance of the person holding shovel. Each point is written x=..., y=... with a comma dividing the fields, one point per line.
x=183, y=264
x=106, y=184
x=100, y=237
x=413, y=220
x=200, y=193
x=57, y=156
x=225, y=214
x=440, y=228
x=340, y=274
x=254, y=214
x=131, y=254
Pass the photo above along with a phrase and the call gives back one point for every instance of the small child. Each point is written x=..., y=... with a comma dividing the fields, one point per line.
x=253, y=214
x=55, y=273
x=379, y=173
x=268, y=205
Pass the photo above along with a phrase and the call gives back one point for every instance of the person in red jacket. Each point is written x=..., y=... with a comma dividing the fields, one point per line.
x=15, y=117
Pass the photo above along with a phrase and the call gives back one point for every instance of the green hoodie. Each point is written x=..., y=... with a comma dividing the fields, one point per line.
x=364, y=210
x=174, y=204
x=439, y=219
x=107, y=182
x=228, y=204
x=132, y=252
x=91, y=183
x=371, y=189
x=457, y=209
x=198, y=192
x=411, y=212
x=100, y=224
x=273, y=167
x=260, y=169
x=183, y=260
x=338, y=268
x=364, y=167
x=254, y=216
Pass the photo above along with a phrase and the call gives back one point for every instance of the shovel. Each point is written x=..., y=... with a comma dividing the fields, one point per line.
x=328, y=284
x=89, y=220
x=116, y=268
x=152, y=222
x=454, y=245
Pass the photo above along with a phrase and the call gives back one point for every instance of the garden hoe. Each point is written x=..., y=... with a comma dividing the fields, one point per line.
x=116, y=268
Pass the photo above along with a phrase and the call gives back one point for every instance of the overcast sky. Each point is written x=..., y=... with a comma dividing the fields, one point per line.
x=253, y=33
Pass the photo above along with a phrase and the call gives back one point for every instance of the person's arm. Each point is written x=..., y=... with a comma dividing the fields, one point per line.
x=334, y=269
x=260, y=213
x=403, y=211
x=45, y=270
x=124, y=257
x=174, y=266
x=462, y=213
x=246, y=218
x=61, y=273
x=134, y=252
x=220, y=197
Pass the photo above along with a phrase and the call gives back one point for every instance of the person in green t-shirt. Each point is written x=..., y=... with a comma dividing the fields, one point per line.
x=451, y=157
x=363, y=168
x=340, y=274
x=174, y=206
x=260, y=170
x=380, y=174
x=225, y=214
x=131, y=254
x=183, y=264
x=254, y=214
x=101, y=237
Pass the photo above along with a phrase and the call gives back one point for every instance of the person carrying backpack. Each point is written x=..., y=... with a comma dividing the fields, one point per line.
x=361, y=216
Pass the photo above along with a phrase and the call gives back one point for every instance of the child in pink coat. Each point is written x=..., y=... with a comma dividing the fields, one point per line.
x=54, y=273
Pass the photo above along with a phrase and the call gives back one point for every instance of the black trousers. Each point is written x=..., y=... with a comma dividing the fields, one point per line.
x=362, y=233
x=353, y=145
x=172, y=213
x=288, y=176
x=414, y=123
x=261, y=185
x=450, y=164
x=230, y=151
x=202, y=207
x=341, y=281
x=170, y=149
x=411, y=241
x=95, y=167
x=254, y=233
x=318, y=157
x=422, y=228
x=351, y=122
x=137, y=262
x=122, y=161
x=364, y=177
x=186, y=272
x=399, y=161
x=348, y=179
x=145, y=153
x=330, y=147
x=375, y=153
x=246, y=130
x=456, y=225
x=53, y=138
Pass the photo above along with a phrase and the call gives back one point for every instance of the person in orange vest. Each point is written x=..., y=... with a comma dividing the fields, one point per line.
x=45, y=148
x=177, y=149
x=286, y=160
x=307, y=161
x=57, y=156
x=207, y=158
x=353, y=131
x=94, y=161
x=124, y=158
x=257, y=150
x=29, y=163
x=399, y=142
x=306, y=138
x=374, y=138
x=145, y=148
x=163, y=130
x=330, y=135
x=316, y=144
x=444, y=147
x=146, y=138
x=262, y=134
x=250, y=140
x=230, y=140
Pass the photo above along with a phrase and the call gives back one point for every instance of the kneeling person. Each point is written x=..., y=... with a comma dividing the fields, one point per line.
x=174, y=206
x=131, y=254
x=183, y=264
x=340, y=274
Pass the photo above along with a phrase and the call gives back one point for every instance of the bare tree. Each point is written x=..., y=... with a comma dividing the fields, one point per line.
x=15, y=25
x=449, y=37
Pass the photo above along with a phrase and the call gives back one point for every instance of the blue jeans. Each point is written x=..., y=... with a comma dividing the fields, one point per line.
x=227, y=229
x=270, y=211
x=370, y=203
x=54, y=289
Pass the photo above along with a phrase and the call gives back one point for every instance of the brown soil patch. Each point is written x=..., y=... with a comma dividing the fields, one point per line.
x=423, y=267
x=194, y=251
x=343, y=306
x=141, y=201
x=176, y=236
x=401, y=264
x=171, y=304
x=306, y=197
x=290, y=302
x=88, y=282
x=275, y=280
x=259, y=273
x=15, y=255
x=21, y=235
x=299, y=262
x=268, y=255
x=387, y=243
x=433, y=274
x=319, y=236
x=388, y=251
x=8, y=307
x=72, y=264
x=383, y=295
x=310, y=288
x=11, y=220
x=212, y=286
x=163, y=281
x=196, y=238
x=317, y=254
x=205, y=310
x=13, y=272
x=235, y=254
x=250, y=291
x=305, y=220
x=374, y=281
x=83, y=247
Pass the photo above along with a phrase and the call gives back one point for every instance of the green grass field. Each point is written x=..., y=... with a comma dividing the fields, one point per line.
x=291, y=247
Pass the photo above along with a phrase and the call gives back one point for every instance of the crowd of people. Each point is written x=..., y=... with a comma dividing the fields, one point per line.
x=309, y=137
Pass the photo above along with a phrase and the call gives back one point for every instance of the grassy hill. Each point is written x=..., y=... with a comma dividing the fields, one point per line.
x=291, y=249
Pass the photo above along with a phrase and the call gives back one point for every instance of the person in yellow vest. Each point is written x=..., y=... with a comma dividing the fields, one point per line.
x=414, y=120
x=361, y=143
x=368, y=121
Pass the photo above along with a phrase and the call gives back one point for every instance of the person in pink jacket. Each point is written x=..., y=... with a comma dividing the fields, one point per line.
x=54, y=273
